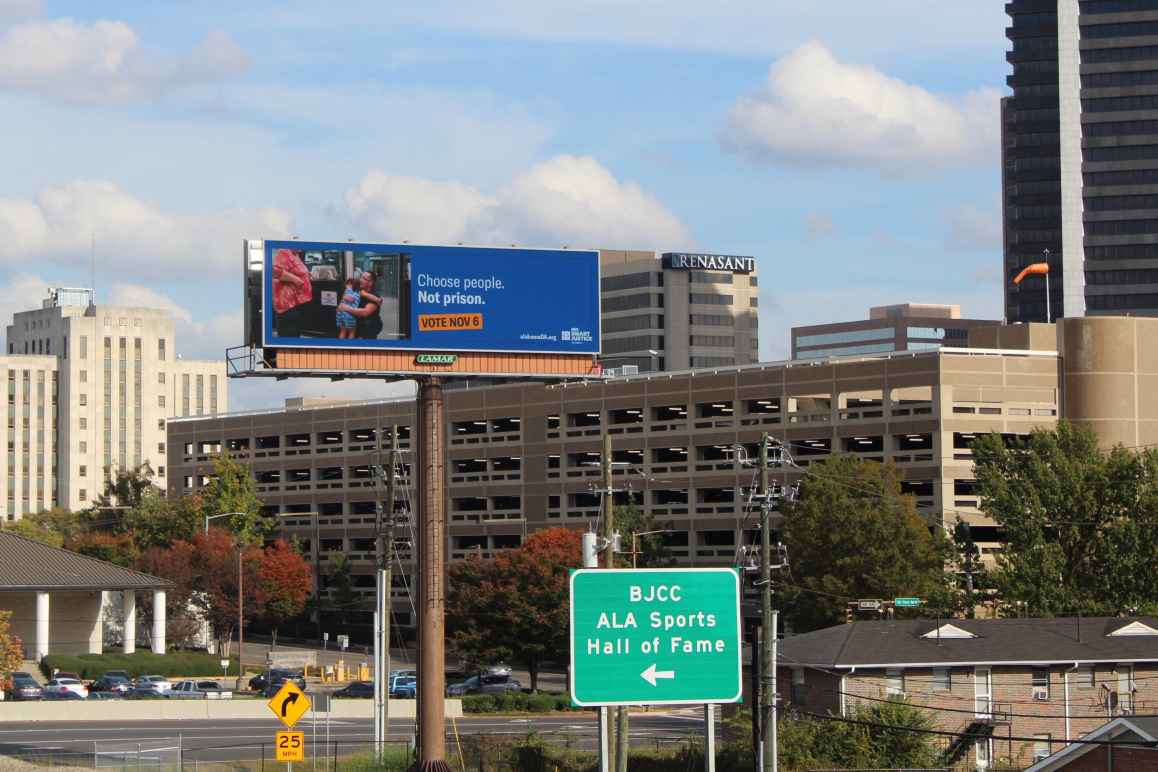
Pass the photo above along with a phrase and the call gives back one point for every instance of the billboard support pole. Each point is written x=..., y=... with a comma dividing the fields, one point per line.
x=431, y=433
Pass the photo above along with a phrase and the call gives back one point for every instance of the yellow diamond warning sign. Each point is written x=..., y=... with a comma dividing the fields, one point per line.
x=289, y=704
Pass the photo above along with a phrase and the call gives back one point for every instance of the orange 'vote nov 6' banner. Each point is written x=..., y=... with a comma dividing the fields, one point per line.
x=436, y=322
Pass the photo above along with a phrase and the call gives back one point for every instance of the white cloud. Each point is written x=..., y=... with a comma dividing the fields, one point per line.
x=818, y=225
x=567, y=199
x=14, y=10
x=973, y=228
x=131, y=235
x=736, y=27
x=817, y=111
x=20, y=292
x=105, y=62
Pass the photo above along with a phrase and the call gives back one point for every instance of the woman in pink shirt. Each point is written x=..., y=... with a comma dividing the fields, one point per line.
x=291, y=291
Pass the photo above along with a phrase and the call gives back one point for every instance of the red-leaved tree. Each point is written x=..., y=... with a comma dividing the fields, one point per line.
x=514, y=606
x=287, y=582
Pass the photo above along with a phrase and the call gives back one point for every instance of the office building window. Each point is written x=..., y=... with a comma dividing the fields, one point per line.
x=84, y=376
x=83, y=471
x=161, y=402
x=83, y=424
x=705, y=299
x=161, y=377
x=83, y=399
x=213, y=394
x=185, y=394
x=161, y=349
x=713, y=320
x=709, y=277
x=83, y=495
x=200, y=394
x=84, y=347
x=82, y=447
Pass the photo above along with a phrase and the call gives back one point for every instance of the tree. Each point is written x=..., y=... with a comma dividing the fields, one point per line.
x=340, y=578
x=888, y=735
x=157, y=521
x=653, y=549
x=178, y=564
x=31, y=529
x=288, y=580
x=232, y=489
x=120, y=549
x=218, y=570
x=515, y=606
x=1080, y=523
x=126, y=488
x=853, y=534
x=11, y=647
x=65, y=523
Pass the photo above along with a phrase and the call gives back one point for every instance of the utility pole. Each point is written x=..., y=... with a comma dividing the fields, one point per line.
x=240, y=617
x=607, y=517
x=768, y=621
x=385, y=546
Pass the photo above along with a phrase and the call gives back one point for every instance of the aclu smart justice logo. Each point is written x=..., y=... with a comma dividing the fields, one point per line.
x=575, y=335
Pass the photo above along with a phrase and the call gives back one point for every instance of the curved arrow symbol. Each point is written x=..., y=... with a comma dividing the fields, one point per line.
x=289, y=700
x=651, y=675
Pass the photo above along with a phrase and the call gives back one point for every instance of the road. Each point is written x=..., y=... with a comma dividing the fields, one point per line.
x=221, y=740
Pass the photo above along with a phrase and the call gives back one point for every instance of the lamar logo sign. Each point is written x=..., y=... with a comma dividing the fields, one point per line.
x=688, y=261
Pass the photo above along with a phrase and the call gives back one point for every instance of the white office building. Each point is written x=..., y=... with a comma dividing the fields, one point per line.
x=89, y=389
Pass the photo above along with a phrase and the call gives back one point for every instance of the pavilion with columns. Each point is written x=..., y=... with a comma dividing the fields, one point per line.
x=57, y=599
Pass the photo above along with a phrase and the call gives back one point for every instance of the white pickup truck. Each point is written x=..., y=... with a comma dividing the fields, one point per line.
x=199, y=690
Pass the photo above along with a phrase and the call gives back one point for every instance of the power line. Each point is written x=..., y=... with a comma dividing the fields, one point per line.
x=947, y=733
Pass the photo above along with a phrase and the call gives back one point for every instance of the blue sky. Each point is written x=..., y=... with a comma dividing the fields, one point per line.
x=851, y=147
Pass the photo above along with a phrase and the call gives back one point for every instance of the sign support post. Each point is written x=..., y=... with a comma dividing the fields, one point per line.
x=607, y=743
x=431, y=570
x=709, y=737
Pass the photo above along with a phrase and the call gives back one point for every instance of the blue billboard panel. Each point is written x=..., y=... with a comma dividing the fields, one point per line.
x=430, y=298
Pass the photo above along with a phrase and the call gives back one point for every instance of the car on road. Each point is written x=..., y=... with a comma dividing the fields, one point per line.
x=24, y=687
x=485, y=683
x=196, y=689
x=356, y=689
x=113, y=684
x=62, y=688
x=151, y=686
x=400, y=675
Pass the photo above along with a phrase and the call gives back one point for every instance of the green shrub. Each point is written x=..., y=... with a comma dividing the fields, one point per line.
x=516, y=702
x=177, y=663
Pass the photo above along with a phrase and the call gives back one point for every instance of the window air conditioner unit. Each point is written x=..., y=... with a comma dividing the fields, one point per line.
x=1041, y=693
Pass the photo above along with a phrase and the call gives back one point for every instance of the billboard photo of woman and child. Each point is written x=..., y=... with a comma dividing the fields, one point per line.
x=341, y=294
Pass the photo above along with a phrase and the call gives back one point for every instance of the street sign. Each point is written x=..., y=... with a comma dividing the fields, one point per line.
x=289, y=704
x=655, y=636
x=868, y=605
x=290, y=746
x=907, y=602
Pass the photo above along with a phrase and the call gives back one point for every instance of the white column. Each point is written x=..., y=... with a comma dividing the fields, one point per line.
x=158, y=621
x=129, y=637
x=41, y=625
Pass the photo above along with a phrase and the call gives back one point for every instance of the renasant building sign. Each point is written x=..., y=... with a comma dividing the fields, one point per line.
x=689, y=261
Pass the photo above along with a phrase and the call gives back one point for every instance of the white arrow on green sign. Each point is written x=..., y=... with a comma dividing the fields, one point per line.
x=655, y=636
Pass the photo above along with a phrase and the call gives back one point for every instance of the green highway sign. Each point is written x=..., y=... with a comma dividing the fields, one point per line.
x=907, y=602
x=655, y=636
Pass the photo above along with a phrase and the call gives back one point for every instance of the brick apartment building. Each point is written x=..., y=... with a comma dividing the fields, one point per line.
x=1046, y=681
x=1126, y=744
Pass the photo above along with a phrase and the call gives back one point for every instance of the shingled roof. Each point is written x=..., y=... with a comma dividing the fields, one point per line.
x=27, y=565
x=914, y=643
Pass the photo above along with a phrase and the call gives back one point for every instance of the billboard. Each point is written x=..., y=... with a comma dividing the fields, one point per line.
x=422, y=298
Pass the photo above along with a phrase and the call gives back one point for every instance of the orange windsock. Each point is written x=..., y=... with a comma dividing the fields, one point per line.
x=1036, y=269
